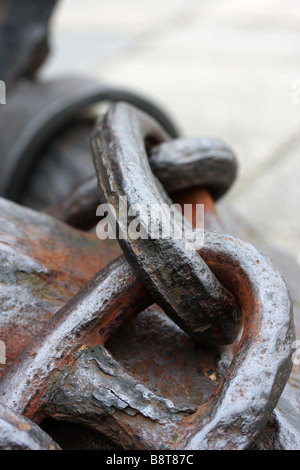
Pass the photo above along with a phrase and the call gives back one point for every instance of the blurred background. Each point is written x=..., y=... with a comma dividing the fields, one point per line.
x=227, y=68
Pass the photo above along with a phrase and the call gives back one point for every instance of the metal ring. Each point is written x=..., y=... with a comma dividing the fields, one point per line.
x=36, y=113
x=19, y=433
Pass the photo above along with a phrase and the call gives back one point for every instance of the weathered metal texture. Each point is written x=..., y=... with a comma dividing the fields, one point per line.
x=19, y=433
x=59, y=389
x=78, y=209
x=66, y=371
x=32, y=224
x=200, y=195
x=173, y=373
x=177, y=164
x=283, y=430
x=43, y=264
x=37, y=112
x=23, y=37
x=209, y=311
x=63, y=164
x=73, y=436
x=192, y=365
x=238, y=226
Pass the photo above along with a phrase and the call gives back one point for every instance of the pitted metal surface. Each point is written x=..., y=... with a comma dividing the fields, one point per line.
x=71, y=334
x=176, y=164
x=166, y=266
x=110, y=358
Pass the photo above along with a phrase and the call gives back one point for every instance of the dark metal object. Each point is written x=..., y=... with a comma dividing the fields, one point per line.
x=283, y=429
x=170, y=271
x=23, y=37
x=79, y=208
x=67, y=373
x=62, y=388
x=19, y=433
x=141, y=338
x=35, y=114
x=43, y=263
x=178, y=164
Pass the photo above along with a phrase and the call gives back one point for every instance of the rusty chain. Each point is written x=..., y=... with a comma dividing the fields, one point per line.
x=67, y=371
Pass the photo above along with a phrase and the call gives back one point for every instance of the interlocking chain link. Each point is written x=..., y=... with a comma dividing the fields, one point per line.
x=67, y=371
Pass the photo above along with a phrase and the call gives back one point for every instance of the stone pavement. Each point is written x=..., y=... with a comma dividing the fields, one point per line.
x=219, y=67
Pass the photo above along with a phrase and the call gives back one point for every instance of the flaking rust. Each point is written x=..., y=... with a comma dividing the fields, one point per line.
x=43, y=264
x=76, y=370
x=117, y=460
x=178, y=279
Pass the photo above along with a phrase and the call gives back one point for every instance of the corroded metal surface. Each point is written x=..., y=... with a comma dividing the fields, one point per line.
x=275, y=436
x=19, y=433
x=283, y=429
x=229, y=410
x=23, y=37
x=178, y=164
x=99, y=360
x=168, y=269
x=78, y=209
x=67, y=348
x=68, y=372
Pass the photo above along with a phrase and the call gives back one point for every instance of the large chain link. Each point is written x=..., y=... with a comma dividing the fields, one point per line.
x=67, y=371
